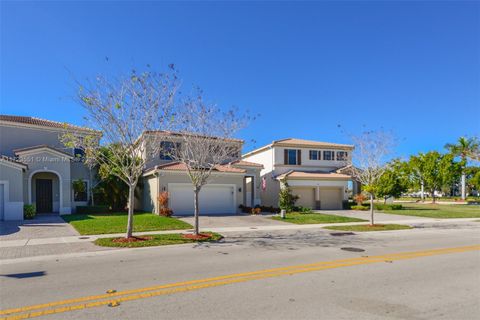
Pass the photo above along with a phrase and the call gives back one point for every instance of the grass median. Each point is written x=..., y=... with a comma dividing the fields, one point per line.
x=441, y=211
x=367, y=227
x=155, y=240
x=315, y=218
x=87, y=224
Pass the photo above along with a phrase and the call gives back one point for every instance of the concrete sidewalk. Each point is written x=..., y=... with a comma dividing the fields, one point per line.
x=222, y=230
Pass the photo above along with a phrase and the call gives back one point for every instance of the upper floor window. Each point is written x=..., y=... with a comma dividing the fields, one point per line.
x=78, y=153
x=342, y=155
x=328, y=155
x=315, y=155
x=292, y=156
x=167, y=148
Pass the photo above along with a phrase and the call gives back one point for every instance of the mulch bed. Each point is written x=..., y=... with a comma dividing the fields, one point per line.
x=132, y=239
x=200, y=236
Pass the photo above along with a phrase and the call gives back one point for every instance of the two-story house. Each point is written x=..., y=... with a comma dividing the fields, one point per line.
x=37, y=168
x=234, y=183
x=313, y=170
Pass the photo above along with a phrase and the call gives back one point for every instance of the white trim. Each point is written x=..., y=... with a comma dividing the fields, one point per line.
x=19, y=166
x=61, y=209
x=43, y=149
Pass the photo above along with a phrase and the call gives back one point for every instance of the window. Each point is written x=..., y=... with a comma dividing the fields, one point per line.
x=342, y=155
x=292, y=156
x=78, y=153
x=315, y=155
x=80, y=191
x=328, y=155
x=167, y=148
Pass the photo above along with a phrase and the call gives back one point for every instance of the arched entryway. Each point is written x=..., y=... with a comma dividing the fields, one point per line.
x=45, y=188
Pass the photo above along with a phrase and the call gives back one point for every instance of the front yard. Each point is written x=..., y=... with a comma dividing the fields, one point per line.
x=437, y=210
x=87, y=224
x=315, y=218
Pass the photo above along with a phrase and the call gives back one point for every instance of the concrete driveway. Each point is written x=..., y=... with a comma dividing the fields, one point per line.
x=43, y=226
x=233, y=221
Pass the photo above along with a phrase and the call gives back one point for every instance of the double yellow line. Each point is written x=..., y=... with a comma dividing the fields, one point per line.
x=129, y=295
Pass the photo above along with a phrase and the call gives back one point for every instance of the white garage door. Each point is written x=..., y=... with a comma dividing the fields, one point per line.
x=330, y=198
x=213, y=199
x=2, y=202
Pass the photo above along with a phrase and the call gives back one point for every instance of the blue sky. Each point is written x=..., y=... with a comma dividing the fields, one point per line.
x=305, y=67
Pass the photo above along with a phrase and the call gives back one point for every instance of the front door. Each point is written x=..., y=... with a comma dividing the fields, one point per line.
x=44, y=195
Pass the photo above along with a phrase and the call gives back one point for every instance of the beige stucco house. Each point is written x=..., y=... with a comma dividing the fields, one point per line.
x=315, y=171
x=37, y=168
x=232, y=184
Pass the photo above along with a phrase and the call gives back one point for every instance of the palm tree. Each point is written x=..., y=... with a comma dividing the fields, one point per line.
x=464, y=148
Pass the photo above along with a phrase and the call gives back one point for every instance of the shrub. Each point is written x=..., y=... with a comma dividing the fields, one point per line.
x=29, y=211
x=302, y=209
x=287, y=199
x=388, y=206
x=256, y=210
x=92, y=209
x=361, y=208
x=359, y=198
x=163, y=208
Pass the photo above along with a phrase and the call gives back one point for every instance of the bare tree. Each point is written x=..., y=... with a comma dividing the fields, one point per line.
x=123, y=108
x=371, y=151
x=205, y=143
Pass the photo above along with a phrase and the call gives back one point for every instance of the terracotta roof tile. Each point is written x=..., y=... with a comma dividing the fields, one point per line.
x=313, y=175
x=42, y=122
x=246, y=163
x=177, y=166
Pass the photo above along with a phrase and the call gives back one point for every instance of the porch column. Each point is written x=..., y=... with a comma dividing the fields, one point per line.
x=317, y=198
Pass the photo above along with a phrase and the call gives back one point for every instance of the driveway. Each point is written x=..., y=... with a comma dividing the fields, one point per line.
x=43, y=226
x=233, y=221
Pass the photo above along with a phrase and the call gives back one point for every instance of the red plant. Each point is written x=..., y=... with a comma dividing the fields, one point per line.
x=163, y=204
x=359, y=198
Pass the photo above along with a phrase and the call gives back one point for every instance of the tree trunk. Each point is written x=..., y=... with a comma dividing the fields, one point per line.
x=384, y=200
x=423, y=193
x=131, y=206
x=463, y=187
x=371, y=210
x=91, y=188
x=196, y=191
x=433, y=196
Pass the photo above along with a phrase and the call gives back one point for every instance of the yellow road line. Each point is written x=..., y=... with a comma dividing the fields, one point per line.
x=141, y=293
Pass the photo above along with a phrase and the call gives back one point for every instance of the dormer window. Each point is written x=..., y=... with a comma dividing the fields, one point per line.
x=166, y=149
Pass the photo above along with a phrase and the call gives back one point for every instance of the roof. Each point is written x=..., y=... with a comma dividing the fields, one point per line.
x=301, y=143
x=244, y=163
x=178, y=166
x=313, y=175
x=176, y=133
x=15, y=162
x=43, y=123
x=42, y=146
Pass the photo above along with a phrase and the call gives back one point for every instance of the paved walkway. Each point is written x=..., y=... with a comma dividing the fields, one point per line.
x=234, y=221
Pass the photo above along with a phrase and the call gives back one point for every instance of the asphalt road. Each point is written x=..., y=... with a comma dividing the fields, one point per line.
x=374, y=284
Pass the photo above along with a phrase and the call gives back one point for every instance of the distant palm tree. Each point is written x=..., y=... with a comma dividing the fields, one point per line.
x=464, y=148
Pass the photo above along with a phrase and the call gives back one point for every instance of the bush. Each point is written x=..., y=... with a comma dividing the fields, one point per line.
x=359, y=198
x=388, y=207
x=302, y=209
x=361, y=208
x=92, y=209
x=165, y=212
x=287, y=199
x=29, y=211
x=270, y=209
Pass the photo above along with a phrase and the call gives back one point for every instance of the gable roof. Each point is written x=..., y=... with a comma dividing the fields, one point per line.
x=178, y=166
x=40, y=147
x=300, y=143
x=32, y=121
x=8, y=160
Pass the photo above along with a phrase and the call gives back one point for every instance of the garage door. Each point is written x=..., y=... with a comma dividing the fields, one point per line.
x=306, y=197
x=330, y=198
x=214, y=199
x=2, y=202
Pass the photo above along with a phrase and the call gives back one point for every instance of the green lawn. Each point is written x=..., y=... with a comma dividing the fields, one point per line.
x=364, y=228
x=313, y=218
x=156, y=240
x=117, y=223
x=438, y=210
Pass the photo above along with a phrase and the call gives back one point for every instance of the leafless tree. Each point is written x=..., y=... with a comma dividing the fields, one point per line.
x=122, y=109
x=371, y=151
x=205, y=142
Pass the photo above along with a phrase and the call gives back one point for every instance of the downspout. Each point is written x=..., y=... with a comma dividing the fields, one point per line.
x=157, y=209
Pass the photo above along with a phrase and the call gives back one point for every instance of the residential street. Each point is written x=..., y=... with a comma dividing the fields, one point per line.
x=430, y=284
